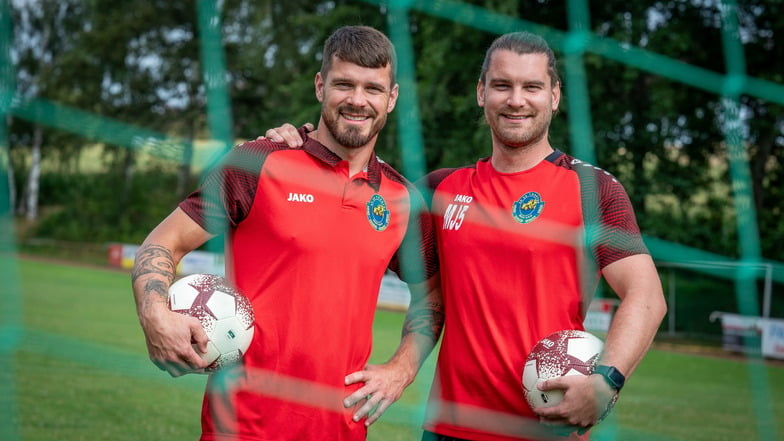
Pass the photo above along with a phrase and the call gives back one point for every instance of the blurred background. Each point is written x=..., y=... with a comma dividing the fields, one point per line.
x=112, y=111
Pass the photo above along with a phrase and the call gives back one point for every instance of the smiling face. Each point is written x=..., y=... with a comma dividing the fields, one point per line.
x=519, y=99
x=355, y=102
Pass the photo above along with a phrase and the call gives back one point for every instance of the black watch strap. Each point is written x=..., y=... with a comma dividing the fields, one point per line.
x=611, y=375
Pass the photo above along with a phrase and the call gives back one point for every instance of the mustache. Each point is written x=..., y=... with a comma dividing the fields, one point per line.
x=357, y=111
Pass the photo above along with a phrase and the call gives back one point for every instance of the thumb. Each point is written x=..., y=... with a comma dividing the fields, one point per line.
x=551, y=384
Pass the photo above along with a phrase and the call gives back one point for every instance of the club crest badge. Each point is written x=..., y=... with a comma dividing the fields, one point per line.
x=377, y=213
x=528, y=207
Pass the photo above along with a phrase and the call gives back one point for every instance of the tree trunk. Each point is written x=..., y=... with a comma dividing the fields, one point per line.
x=184, y=173
x=34, y=177
x=5, y=162
x=129, y=167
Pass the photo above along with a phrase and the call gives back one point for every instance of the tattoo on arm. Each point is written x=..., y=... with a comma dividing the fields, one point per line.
x=156, y=260
x=425, y=319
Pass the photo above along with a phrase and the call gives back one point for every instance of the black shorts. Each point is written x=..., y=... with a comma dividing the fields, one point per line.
x=430, y=436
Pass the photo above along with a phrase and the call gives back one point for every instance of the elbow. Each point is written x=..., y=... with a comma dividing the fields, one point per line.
x=660, y=308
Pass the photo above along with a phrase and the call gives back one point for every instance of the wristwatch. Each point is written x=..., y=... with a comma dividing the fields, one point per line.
x=611, y=375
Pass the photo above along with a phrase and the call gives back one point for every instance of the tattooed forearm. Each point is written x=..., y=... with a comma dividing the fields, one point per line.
x=154, y=259
x=157, y=261
x=425, y=319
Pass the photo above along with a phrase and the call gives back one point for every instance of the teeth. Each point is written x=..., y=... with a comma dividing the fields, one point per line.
x=355, y=118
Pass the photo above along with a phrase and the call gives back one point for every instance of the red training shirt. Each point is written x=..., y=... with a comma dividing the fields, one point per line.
x=308, y=245
x=514, y=267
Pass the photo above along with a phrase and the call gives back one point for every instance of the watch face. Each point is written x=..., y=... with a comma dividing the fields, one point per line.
x=613, y=376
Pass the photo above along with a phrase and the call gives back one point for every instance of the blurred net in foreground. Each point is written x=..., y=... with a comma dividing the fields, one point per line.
x=573, y=44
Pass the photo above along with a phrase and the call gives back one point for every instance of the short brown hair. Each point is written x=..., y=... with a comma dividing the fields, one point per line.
x=522, y=43
x=361, y=45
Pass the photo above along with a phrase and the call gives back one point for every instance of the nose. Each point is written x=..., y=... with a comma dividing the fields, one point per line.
x=516, y=97
x=357, y=98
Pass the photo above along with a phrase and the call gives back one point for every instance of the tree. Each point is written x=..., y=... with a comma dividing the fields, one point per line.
x=42, y=33
x=661, y=136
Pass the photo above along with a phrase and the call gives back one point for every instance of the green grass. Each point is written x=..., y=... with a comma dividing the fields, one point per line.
x=81, y=372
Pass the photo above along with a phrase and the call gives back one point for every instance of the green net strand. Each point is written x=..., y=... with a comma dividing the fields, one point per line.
x=219, y=116
x=100, y=128
x=574, y=44
x=748, y=233
x=11, y=325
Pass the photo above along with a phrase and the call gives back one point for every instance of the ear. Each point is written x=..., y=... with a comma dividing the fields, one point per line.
x=319, y=83
x=480, y=93
x=556, y=96
x=393, y=94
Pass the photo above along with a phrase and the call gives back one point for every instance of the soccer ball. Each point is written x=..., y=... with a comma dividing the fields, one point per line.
x=568, y=352
x=225, y=314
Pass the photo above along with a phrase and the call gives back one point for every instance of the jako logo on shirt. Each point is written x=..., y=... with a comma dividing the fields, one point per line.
x=528, y=207
x=454, y=215
x=377, y=213
x=300, y=197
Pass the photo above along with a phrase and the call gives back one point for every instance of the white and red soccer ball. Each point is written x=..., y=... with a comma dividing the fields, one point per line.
x=225, y=314
x=567, y=352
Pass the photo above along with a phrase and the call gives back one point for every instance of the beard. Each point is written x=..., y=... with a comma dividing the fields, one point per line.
x=516, y=136
x=352, y=136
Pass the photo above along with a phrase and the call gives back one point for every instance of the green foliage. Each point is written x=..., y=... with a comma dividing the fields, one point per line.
x=664, y=139
x=99, y=207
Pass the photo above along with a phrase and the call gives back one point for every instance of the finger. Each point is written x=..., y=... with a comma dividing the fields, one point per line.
x=193, y=362
x=551, y=384
x=357, y=397
x=367, y=407
x=383, y=405
x=172, y=369
x=199, y=337
x=293, y=139
x=274, y=136
x=560, y=428
x=168, y=367
x=355, y=377
x=309, y=127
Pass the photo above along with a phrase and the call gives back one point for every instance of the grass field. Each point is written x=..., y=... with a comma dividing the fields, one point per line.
x=81, y=373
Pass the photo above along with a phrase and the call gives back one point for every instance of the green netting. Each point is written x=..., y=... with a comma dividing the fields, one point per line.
x=10, y=301
x=573, y=44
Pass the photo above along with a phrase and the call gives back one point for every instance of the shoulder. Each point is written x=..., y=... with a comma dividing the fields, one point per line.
x=391, y=173
x=435, y=178
x=251, y=152
x=584, y=169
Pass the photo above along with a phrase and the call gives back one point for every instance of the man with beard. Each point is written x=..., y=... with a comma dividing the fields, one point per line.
x=309, y=234
x=548, y=226
x=523, y=238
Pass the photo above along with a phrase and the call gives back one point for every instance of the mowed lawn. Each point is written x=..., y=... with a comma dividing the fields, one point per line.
x=80, y=371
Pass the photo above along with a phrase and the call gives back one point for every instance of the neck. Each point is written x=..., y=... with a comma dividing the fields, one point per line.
x=507, y=159
x=357, y=157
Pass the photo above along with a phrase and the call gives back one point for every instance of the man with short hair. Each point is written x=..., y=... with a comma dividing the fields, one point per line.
x=524, y=237
x=309, y=235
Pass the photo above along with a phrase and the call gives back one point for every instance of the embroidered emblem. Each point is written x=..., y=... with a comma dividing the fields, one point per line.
x=528, y=207
x=377, y=213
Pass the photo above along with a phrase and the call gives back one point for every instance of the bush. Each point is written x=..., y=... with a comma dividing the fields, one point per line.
x=102, y=207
